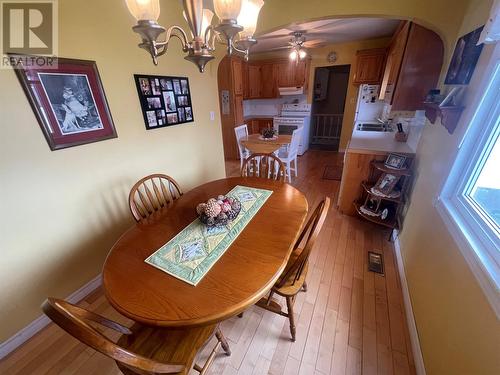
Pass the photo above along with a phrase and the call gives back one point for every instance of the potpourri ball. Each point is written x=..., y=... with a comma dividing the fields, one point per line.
x=212, y=208
x=201, y=208
x=218, y=211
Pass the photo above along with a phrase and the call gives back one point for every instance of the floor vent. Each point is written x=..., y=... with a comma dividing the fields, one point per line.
x=333, y=172
x=375, y=262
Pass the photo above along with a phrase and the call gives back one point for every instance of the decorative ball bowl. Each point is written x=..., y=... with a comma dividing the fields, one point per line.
x=220, y=211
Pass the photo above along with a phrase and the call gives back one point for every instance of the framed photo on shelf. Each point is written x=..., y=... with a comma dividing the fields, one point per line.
x=386, y=184
x=165, y=101
x=68, y=101
x=395, y=161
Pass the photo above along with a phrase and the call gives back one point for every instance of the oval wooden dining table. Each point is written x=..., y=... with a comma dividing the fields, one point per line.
x=241, y=277
x=257, y=145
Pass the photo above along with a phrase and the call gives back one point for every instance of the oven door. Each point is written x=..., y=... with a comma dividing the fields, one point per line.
x=285, y=129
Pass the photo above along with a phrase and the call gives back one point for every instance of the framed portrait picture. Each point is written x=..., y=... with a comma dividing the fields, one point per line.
x=165, y=101
x=395, y=161
x=385, y=184
x=464, y=58
x=68, y=101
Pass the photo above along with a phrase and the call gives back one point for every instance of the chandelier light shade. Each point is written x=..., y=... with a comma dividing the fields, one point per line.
x=200, y=45
x=144, y=10
x=248, y=17
x=227, y=10
x=293, y=55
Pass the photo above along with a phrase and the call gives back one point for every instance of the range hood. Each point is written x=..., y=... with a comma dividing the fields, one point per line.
x=291, y=90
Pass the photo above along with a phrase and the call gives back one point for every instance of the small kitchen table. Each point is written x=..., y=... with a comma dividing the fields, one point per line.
x=241, y=277
x=256, y=144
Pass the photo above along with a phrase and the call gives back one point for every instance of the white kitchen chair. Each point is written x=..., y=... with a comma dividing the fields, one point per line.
x=289, y=155
x=241, y=132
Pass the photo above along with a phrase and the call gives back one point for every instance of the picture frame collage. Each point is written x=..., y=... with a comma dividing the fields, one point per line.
x=165, y=100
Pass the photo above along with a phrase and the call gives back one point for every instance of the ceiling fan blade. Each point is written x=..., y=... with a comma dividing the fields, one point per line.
x=278, y=48
x=315, y=43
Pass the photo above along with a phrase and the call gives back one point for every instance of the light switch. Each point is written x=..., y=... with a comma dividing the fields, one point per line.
x=212, y=115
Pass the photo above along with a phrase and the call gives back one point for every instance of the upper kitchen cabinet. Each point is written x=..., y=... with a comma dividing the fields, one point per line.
x=253, y=81
x=237, y=73
x=369, y=66
x=412, y=68
x=261, y=79
x=285, y=74
x=291, y=74
x=268, y=87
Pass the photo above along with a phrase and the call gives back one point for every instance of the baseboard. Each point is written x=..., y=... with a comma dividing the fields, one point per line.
x=39, y=323
x=410, y=319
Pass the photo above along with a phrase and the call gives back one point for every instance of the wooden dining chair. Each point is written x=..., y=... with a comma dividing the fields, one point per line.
x=152, y=193
x=292, y=280
x=139, y=349
x=263, y=166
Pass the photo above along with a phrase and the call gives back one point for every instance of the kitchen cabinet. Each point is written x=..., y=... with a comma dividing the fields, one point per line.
x=412, y=68
x=253, y=81
x=301, y=73
x=238, y=110
x=285, y=74
x=292, y=74
x=369, y=66
x=237, y=75
x=246, y=87
x=268, y=87
x=263, y=78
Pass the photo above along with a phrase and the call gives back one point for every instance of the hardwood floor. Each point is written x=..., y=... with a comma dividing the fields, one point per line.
x=350, y=321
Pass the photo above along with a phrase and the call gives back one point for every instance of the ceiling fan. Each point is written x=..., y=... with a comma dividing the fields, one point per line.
x=298, y=45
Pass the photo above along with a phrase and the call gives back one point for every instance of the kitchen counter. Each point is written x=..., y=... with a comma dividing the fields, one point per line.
x=373, y=142
x=256, y=117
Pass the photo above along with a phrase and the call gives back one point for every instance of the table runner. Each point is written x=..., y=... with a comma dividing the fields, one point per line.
x=192, y=252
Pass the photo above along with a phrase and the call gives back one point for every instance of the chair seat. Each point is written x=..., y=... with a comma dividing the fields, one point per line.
x=174, y=346
x=291, y=287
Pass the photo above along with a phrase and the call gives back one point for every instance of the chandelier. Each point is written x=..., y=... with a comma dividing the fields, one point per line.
x=236, y=26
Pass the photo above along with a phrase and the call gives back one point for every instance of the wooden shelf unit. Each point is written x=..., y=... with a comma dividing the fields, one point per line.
x=393, y=224
x=395, y=205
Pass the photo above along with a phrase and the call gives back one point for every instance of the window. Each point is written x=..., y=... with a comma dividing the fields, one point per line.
x=470, y=200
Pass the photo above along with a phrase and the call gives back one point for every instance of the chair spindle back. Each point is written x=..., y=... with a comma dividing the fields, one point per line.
x=152, y=193
x=310, y=234
x=81, y=324
x=264, y=166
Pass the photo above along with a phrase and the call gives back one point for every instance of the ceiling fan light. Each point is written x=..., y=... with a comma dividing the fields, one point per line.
x=227, y=9
x=302, y=54
x=248, y=17
x=144, y=10
x=293, y=55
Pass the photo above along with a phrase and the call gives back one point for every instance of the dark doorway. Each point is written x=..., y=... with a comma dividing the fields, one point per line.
x=330, y=90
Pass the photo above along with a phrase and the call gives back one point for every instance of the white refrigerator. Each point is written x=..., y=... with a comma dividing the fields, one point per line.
x=368, y=107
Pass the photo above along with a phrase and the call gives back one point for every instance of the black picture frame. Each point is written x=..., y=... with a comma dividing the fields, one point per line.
x=68, y=101
x=395, y=161
x=464, y=59
x=165, y=100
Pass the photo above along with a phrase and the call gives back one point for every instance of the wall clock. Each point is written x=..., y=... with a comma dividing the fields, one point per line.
x=332, y=57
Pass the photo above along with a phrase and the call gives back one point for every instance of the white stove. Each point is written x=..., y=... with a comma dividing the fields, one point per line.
x=292, y=117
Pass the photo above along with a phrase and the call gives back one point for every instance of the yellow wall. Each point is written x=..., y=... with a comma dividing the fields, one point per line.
x=63, y=210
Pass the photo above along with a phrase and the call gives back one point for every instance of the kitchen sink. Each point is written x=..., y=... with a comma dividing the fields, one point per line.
x=374, y=127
